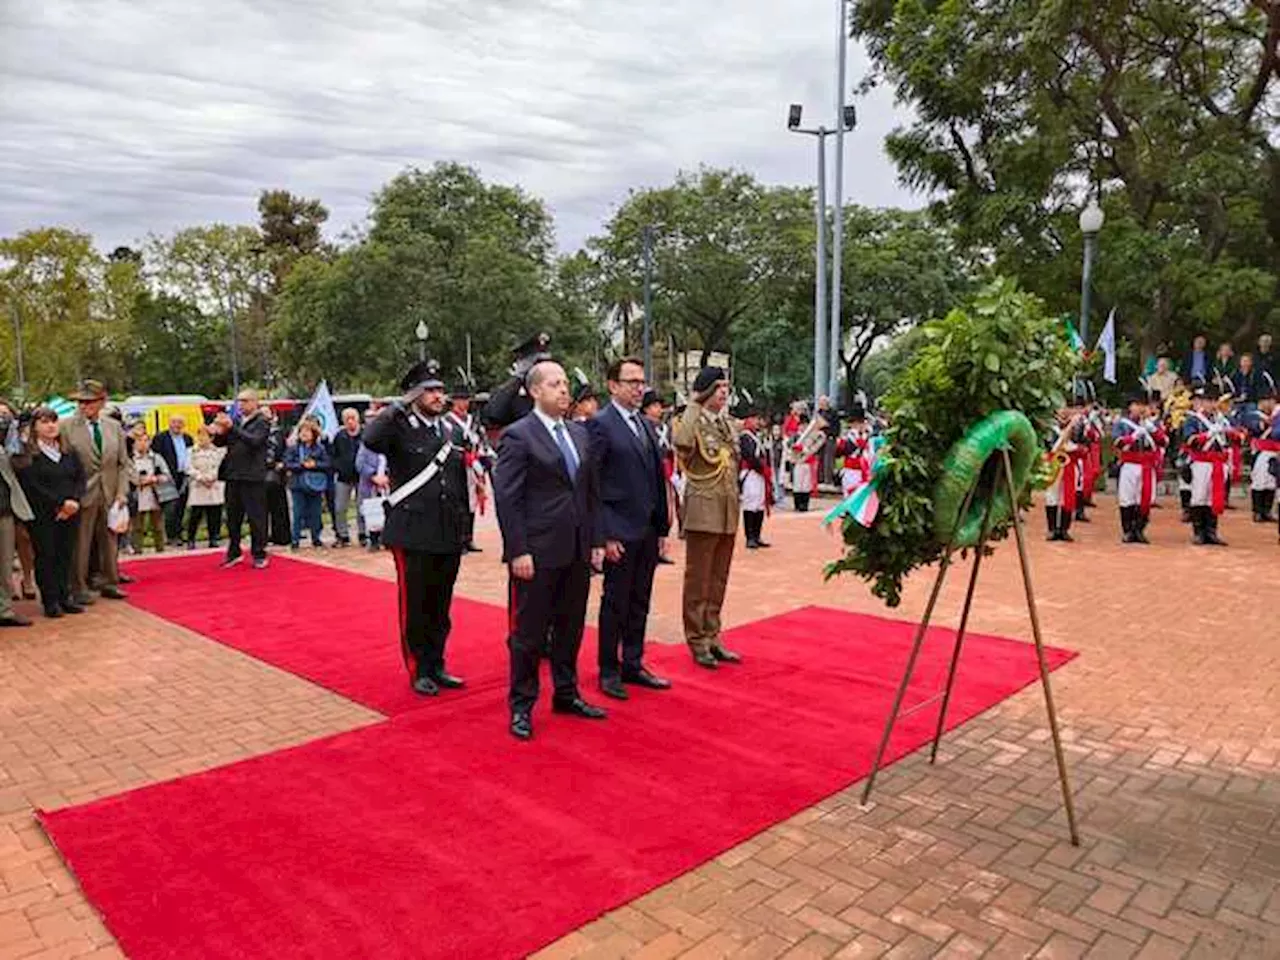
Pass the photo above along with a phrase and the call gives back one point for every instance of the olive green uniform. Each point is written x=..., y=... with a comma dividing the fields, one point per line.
x=707, y=444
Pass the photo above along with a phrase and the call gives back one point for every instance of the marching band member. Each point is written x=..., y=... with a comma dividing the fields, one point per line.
x=475, y=457
x=853, y=452
x=1139, y=442
x=1207, y=443
x=1092, y=430
x=1067, y=450
x=1264, y=426
x=804, y=469
x=754, y=479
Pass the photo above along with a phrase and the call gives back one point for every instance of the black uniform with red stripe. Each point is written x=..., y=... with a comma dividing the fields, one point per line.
x=427, y=531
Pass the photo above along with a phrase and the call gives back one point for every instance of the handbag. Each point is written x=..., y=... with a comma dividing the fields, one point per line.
x=314, y=482
x=118, y=518
x=374, y=511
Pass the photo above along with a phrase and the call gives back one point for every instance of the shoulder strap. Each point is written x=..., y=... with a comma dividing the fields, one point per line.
x=424, y=476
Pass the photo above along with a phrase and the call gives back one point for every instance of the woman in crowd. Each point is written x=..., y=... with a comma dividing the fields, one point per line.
x=374, y=482
x=206, y=493
x=154, y=488
x=278, y=532
x=308, y=463
x=52, y=477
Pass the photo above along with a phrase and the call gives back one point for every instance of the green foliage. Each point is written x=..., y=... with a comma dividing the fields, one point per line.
x=1002, y=352
x=1169, y=107
x=172, y=345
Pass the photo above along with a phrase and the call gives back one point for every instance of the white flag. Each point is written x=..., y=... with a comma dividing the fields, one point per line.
x=1107, y=344
x=321, y=408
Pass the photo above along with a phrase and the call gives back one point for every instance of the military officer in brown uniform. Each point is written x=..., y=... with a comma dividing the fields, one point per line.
x=706, y=441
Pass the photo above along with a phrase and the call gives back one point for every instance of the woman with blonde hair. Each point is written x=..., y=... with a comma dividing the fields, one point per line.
x=206, y=493
x=154, y=488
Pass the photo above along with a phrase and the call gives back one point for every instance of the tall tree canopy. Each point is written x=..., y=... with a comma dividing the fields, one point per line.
x=1169, y=107
x=466, y=257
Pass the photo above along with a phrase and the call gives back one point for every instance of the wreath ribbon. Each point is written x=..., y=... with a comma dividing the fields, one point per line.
x=863, y=503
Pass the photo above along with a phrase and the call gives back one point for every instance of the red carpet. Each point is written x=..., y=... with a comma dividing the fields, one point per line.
x=436, y=835
x=334, y=628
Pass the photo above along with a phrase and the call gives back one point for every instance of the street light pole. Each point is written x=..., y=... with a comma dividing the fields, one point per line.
x=17, y=340
x=1091, y=220
x=837, y=243
x=421, y=332
x=648, y=301
x=820, y=362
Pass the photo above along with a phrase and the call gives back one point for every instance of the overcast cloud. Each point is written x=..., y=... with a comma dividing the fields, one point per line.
x=123, y=117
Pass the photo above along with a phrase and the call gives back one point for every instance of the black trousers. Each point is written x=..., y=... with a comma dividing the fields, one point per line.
x=554, y=599
x=247, y=499
x=54, y=542
x=212, y=514
x=279, y=527
x=753, y=525
x=624, y=607
x=426, y=593
x=173, y=511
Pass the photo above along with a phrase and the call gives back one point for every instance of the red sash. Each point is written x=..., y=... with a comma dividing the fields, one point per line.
x=1092, y=468
x=1070, y=474
x=1219, y=460
x=1237, y=460
x=1149, y=460
x=1266, y=446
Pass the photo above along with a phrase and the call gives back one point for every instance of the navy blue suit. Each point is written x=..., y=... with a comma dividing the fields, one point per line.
x=554, y=518
x=633, y=511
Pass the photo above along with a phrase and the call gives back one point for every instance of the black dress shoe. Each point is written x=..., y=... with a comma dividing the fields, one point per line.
x=425, y=687
x=14, y=620
x=665, y=560
x=643, y=678
x=706, y=660
x=53, y=613
x=725, y=656
x=522, y=726
x=125, y=578
x=448, y=681
x=578, y=708
x=72, y=608
x=613, y=688
x=114, y=593
x=763, y=544
x=472, y=548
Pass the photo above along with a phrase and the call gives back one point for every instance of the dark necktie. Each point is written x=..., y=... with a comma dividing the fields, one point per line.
x=566, y=451
x=97, y=437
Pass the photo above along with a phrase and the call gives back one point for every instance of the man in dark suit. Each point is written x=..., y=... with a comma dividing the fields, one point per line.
x=245, y=472
x=633, y=518
x=547, y=500
x=426, y=523
x=174, y=447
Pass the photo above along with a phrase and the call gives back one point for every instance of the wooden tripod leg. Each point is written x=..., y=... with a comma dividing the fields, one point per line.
x=964, y=623
x=917, y=643
x=1067, y=803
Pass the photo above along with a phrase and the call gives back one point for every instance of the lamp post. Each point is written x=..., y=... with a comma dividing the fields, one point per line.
x=648, y=301
x=17, y=342
x=421, y=332
x=1091, y=220
x=820, y=365
x=846, y=117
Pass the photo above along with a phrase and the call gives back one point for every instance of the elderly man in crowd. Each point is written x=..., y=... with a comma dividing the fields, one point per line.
x=174, y=447
x=99, y=442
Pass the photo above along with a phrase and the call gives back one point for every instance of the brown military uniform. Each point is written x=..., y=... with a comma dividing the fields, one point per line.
x=707, y=445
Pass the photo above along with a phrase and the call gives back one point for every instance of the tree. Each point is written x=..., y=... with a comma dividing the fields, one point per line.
x=1168, y=109
x=726, y=250
x=290, y=230
x=67, y=306
x=470, y=259
x=172, y=343
x=899, y=269
x=221, y=271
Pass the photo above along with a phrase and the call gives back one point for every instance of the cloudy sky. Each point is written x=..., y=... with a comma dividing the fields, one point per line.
x=123, y=117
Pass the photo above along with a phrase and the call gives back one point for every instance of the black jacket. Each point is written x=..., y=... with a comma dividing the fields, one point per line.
x=343, y=451
x=48, y=484
x=541, y=512
x=168, y=450
x=633, y=486
x=246, y=444
x=433, y=519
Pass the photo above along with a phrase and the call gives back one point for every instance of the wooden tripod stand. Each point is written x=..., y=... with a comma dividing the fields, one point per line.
x=1004, y=468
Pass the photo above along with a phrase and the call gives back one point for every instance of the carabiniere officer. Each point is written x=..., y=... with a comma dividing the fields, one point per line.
x=426, y=518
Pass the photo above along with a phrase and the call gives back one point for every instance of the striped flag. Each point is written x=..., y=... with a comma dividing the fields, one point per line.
x=61, y=406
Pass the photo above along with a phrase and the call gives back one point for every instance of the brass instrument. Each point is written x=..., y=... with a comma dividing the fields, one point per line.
x=1058, y=455
x=810, y=440
x=1176, y=406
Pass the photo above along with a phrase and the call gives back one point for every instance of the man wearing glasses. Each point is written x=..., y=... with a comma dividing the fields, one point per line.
x=633, y=503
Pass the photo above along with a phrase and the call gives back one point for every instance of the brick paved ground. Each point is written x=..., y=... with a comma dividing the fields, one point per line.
x=1172, y=717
